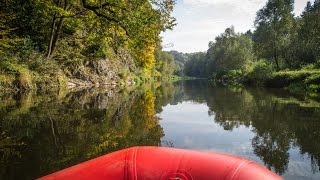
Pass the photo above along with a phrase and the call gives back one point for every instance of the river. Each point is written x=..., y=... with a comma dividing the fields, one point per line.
x=42, y=132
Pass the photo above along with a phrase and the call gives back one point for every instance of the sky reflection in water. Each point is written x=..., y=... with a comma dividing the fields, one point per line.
x=190, y=124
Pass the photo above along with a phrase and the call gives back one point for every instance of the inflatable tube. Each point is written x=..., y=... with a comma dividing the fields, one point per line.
x=159, y=163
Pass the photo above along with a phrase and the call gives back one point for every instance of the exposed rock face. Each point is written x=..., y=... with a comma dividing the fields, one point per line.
x=108, y=71
x=126, y=59
x=114, y=70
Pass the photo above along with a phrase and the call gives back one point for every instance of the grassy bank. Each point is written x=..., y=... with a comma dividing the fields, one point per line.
x=297, y=81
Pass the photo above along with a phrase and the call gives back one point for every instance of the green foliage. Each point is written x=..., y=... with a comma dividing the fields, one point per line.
x=230, y=51
x=180, y=59
x=196, y=65
x=233, y=77
x=124, y=75
x=314, y=88
x=260, y=72
x=313, y=79
x=23, y=76
x=307, y=42
x=275, y=28
x=75, y=126
x=179, y=78
x=313, y=82
x=296, y=81
x=165, y=65
x=6, y=41
x=97, y=47
x=7, y=81
x=71, y=34
x=282, y=41
x=296, y=87
x=140, y=77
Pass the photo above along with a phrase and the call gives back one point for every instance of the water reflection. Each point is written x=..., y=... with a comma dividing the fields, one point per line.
x=275, y=123
x=42, y=133
x=45, y=132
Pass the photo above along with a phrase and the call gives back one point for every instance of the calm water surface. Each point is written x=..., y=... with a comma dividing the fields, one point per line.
x=41, y=133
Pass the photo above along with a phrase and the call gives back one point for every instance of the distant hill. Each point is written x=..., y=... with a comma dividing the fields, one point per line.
x=180, y=59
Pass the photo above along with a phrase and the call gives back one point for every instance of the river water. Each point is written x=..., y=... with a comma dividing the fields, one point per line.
x=41, y=133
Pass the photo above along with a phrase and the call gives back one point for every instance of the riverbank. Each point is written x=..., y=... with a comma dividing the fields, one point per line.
x=45, y=45
x=297, y=81
x=51, y=75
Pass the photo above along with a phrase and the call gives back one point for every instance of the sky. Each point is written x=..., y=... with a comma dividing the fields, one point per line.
x=200, y=21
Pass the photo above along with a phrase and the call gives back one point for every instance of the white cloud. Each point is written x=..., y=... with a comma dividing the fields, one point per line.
x=240, y=5
x=199, y=21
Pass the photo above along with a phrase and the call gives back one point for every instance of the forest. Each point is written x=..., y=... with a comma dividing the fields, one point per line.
x=47, y=44
x=283, y=51
x=70, y=43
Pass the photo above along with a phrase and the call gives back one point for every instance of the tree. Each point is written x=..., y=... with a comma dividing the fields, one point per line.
x=180, y=59
x=274, y=28
x=6, y=41
x=165, y=64
x=89, y=28
x=195, y=67
x=308, y=40
x=230, y=51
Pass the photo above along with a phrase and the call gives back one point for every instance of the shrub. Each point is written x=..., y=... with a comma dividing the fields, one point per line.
x=261, y=71
x=6, y=81
x=124, y=74
x=25, y=78
x=313, y=83
x=24, y=50
x=296, y=87
x=285, y=78
x=317, y=64
x=313, y=79
x=22, y=74
x=42, y=65
x=232, y=77
x=308, y=67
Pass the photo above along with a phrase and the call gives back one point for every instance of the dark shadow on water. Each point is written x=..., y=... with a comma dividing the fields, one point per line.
x=43, y=133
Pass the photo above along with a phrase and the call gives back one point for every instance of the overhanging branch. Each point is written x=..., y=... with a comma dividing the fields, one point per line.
x=113, y=19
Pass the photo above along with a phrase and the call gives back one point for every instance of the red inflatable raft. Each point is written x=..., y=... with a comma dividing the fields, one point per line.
x=159, y=163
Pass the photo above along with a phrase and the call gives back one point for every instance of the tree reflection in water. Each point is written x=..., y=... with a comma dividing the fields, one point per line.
x=44, y=132
x=279, y=121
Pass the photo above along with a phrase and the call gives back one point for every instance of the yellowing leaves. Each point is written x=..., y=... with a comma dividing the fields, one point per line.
x=148, y=60
x=149, y=110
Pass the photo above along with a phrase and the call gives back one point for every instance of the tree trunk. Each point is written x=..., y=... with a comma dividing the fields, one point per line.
x=54, y=36
x=53, y=26
x=275, y=37
x=57, y=34
x=115, y=41
x=275, y=56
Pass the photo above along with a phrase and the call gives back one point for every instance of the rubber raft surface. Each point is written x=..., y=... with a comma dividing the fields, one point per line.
x=160, y=163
